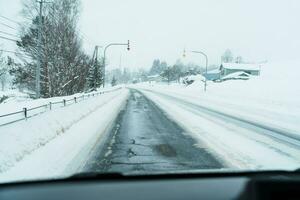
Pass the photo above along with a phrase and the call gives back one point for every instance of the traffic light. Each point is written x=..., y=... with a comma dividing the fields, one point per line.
x=128, y=47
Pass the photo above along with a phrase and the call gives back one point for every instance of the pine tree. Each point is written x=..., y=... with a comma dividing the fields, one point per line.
x=113, y=81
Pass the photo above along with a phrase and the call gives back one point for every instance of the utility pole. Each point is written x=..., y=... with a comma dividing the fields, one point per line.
x=93, y=71
x=97, y=79
x=39, y=60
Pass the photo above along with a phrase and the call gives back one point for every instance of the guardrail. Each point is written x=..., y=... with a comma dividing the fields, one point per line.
x=26, y=113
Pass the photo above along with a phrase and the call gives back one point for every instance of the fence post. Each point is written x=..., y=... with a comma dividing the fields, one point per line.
x=75, y=100
x=25, y=112
x=50, y=105
x=64, y=101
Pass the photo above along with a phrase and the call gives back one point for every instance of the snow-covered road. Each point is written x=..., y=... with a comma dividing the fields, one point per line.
x=144, y=129
x=145, y=140
x=239, y=142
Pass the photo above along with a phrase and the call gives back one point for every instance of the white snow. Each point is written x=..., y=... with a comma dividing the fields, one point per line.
x=237, y=75
x=242, y=66
x=272, y=99
x=56, y=143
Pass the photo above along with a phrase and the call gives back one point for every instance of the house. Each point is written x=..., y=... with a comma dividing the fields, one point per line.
x=187, y=80
x=213, y=75
x=155, y=78
x=229, y=68
x=236, y=76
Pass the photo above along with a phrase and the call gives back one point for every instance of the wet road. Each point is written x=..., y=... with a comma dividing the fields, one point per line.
x=144, y=140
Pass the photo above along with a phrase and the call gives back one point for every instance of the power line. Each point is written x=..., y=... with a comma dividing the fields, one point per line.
x=9, y=19
x=8, y=39
x=9, y=34
x=8, y=26
x=8, y=51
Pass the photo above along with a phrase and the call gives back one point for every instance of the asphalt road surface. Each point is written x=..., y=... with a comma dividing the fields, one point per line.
x=145, y=140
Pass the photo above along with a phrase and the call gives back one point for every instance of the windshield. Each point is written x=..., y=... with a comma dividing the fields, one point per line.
x=143, y=87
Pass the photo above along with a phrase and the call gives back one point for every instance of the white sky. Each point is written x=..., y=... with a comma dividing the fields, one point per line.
x=255, y=29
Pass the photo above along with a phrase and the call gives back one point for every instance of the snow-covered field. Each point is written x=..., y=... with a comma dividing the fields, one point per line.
x=55, y=143
x=235, y=120
x=272, y=100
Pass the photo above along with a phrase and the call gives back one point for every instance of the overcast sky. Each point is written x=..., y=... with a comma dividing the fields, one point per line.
x=255, y=29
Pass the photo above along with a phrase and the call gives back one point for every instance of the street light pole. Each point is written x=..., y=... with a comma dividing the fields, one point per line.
x=206, y=64
x=104, y=55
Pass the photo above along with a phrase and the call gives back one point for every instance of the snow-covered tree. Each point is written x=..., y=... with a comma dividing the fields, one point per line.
x=239, y=59
x=227, y=56
x=113, y=81
x=95, y=75
x=157, y=67
x=64, y=66
x=3, y=71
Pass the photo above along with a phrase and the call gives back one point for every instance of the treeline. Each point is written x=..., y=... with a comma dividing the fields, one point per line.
x=65, y=66
x=174, y=72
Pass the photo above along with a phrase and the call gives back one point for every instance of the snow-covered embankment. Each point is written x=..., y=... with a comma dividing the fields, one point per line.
x=56, y=143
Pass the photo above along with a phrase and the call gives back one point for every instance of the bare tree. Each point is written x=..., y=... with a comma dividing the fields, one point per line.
x=239, y=59
x=64, y=65
x=227, y=56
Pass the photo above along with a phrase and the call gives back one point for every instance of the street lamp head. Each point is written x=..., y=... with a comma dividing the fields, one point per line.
x=184, y=54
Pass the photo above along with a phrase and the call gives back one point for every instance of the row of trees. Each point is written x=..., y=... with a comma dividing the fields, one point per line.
x=4, y=72
x=228, y=57
x=65, y=66
x=178, y=70
x=125, y=75
x=174, y=72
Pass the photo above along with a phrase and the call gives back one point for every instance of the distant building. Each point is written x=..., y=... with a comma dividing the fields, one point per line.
x=236, y=76
x=213, y=75
x=229, y=68
x=155, y=78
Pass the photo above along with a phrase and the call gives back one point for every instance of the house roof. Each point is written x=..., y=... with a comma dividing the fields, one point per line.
x=214, y=71
x=241, y=75
x=154, y=76
x=241, y=66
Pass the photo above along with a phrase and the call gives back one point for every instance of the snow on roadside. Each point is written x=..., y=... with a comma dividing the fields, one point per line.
x=18, y=100
x=44, y=145
x=237, y=147
x=272, y=98
x=12, y=95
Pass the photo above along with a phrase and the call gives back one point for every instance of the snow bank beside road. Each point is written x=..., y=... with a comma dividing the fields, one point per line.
x=272, y=98
x=238, y=146
x=43, y=146
x=17, y=100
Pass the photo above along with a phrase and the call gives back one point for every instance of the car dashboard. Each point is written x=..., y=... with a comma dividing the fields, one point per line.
x=158, y=187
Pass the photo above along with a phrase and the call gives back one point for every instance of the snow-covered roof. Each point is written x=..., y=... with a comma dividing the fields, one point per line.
x=214, y=71
x=195, y=77
x=154, y=76
x=241, y=75
x=242, y=66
